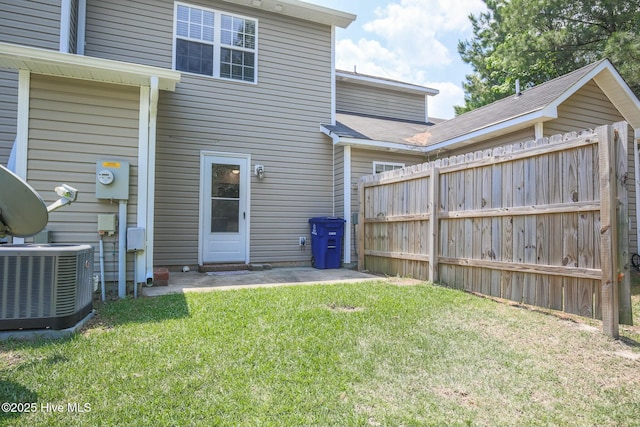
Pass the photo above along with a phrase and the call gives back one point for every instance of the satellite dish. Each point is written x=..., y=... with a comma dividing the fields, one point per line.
x=22, y=212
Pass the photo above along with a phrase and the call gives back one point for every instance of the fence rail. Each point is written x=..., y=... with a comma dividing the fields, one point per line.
x=542, y=223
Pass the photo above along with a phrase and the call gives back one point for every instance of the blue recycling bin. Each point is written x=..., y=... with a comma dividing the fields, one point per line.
x=326, y=241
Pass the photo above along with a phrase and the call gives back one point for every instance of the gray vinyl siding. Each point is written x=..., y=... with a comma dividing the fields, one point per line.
x=361, y=99
x=586, y=109
x=34, y=23
x=362, y=164
x=138, y=31
x=276, y=122
x=72, y=125
x=8, y=112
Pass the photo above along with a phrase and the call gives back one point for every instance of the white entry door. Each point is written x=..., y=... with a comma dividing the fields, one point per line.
x=225, y=218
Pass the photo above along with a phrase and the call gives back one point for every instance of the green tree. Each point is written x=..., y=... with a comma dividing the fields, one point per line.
x=538, y=40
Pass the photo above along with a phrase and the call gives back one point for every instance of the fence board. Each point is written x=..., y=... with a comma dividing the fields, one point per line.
x=530, y=225
x=542, y=226
x=496, y=223
x=529, y=222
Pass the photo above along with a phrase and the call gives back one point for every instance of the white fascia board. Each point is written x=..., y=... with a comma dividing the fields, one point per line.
x=548, y=113
x=382, y=83
x=630, y=105
x=579, y=84
x=301, y=10
x=48, y=62
x=381, y=145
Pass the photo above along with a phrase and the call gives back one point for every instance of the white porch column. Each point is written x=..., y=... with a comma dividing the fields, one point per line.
x=538, y=129
x=347, y=203
x=151, y=174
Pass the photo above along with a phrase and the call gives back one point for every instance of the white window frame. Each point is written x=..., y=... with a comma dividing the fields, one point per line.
x=385, y=165
x=217, y=42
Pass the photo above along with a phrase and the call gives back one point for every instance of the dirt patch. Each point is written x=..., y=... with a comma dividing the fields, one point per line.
x=342, y=308
x=405, y=281
x=11, y=359
x=96, y=326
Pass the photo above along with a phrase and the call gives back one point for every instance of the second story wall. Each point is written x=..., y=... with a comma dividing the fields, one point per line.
x=361, y=99
x=275, y=120
x=34, y=23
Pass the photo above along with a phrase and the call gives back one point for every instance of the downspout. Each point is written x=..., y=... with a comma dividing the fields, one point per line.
x=346, y=180
x=143, y=170
x=122, y=248
x=636, y=161
x=151, y=175
x=333, y=119
x=65, y=25
x=22, y=129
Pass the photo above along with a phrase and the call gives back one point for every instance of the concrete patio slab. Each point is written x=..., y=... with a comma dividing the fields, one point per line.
x=193, y=281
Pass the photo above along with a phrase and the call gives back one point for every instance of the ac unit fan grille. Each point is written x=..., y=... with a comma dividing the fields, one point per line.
x=26, y=286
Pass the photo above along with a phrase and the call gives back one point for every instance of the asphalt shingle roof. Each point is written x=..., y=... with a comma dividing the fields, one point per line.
x=531, y=100
x=364, y=127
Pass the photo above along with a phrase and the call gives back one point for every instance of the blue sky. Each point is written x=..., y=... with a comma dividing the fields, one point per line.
x=414, y=41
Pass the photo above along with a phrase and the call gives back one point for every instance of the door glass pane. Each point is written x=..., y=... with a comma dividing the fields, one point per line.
x=225, y=181
x=225, y=198
x=224, y=216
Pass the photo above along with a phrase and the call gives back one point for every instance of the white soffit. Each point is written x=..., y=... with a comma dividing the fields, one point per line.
x=301, y=10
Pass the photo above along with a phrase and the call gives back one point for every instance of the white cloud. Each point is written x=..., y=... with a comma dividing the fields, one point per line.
x=415, y=28
x=411, y=39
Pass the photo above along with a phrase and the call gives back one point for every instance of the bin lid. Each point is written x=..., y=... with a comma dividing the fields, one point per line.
x=319, y=219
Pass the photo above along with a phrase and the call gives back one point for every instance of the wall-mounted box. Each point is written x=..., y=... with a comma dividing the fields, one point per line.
x=112, y=179
x=107, y=223
x=135, y=239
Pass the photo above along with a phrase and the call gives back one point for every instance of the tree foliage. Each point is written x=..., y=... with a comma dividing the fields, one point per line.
x=538, y=40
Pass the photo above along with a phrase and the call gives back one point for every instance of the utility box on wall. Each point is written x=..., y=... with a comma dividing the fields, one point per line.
x=135, y=239
x=112, y=179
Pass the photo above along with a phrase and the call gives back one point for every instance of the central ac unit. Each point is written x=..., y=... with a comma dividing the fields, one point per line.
x=45, y=286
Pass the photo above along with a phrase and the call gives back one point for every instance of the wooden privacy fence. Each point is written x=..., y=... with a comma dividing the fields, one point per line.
x=542, y=223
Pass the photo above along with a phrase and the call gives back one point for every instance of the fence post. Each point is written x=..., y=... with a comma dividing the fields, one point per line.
x=433, y=236
x=622, y=165
x=608, y=232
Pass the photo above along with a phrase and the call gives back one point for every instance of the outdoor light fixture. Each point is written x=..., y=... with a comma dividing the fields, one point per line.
x=259, y=171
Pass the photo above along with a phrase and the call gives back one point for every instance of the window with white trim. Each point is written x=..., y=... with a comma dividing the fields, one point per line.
x=215, y=44
x=379, y=167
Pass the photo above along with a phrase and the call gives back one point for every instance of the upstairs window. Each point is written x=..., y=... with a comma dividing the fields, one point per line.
x=379, y=167
x=216, y=44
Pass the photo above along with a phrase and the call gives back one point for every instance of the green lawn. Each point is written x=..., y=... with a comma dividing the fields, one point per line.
x=369, y=354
